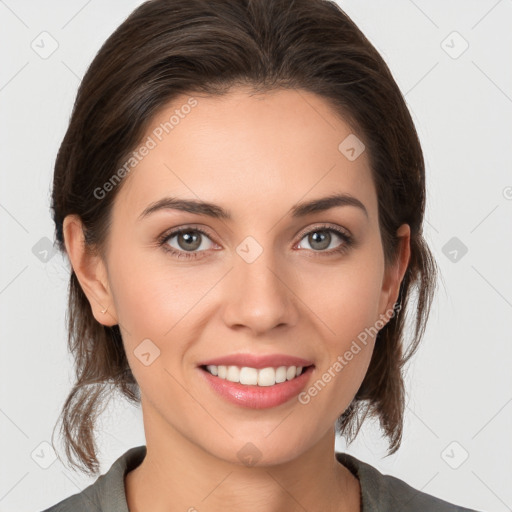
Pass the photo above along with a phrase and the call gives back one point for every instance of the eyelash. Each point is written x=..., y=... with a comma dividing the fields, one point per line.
x=163, y=239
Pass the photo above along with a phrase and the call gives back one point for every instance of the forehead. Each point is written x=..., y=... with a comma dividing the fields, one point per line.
x=247, y=152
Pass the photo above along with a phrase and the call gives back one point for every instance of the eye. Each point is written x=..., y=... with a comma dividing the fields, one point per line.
x=188, y=242
x=321, y=238
x=191, y=241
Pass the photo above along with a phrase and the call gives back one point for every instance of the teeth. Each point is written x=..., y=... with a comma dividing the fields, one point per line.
x=253, y=377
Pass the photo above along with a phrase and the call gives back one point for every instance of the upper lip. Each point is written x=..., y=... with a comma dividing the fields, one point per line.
x=257, y=361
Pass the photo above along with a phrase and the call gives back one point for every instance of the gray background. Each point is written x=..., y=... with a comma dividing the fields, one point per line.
x=457, y=443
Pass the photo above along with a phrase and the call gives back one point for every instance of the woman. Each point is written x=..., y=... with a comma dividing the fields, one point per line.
x=241, y=193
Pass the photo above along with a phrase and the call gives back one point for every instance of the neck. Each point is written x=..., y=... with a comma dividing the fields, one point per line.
x=177, y=475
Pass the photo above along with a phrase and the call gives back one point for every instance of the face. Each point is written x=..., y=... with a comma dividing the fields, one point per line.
x=269, y=278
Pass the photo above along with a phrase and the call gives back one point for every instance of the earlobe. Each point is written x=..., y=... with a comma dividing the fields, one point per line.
x=90, y=271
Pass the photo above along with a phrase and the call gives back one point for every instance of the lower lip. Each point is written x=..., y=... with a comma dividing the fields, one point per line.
x=258, y=397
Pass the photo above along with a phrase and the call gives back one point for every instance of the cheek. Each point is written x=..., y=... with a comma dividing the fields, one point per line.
x=346, y=301
x=345, y=297
x=348, y=311
x=151, y=294
x=161, y=303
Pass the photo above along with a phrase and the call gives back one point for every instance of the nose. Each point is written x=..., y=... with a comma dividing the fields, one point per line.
x=259, y=296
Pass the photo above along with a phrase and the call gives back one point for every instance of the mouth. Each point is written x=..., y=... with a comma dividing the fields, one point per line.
x=256, y=388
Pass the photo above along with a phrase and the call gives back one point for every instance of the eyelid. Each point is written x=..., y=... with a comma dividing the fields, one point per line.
x=305, y=231
x=322, y=226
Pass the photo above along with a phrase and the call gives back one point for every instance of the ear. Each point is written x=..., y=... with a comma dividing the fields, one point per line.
x=90, y=271
x=394, y=273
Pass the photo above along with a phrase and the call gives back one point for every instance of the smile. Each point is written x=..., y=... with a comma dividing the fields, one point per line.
x=265, y=389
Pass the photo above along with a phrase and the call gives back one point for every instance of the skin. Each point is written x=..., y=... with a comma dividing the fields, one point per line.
x=256, y=155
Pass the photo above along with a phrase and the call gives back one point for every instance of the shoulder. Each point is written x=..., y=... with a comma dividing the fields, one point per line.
x=107, y=493
x=383, y=493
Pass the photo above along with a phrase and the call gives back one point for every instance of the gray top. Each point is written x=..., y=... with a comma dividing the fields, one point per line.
x=380, y=493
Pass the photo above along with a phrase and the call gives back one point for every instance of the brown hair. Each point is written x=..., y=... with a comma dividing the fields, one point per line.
x=171, y=47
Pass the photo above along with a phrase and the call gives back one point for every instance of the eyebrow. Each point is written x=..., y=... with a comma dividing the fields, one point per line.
x=299, y=210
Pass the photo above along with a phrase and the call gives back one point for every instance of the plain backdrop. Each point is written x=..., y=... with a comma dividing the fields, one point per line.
x=452, y=62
